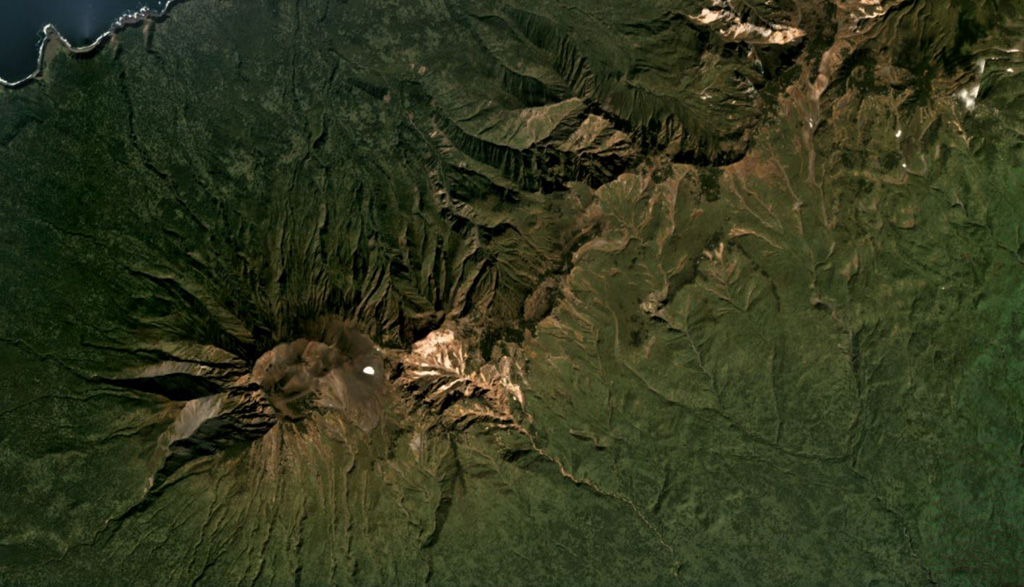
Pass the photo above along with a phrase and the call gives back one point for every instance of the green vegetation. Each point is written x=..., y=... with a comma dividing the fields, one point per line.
x=659, y=300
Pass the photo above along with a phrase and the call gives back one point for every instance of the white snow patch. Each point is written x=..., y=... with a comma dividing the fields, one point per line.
x=969, y=96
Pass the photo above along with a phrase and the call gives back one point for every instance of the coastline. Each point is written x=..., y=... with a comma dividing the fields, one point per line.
x=51, y=35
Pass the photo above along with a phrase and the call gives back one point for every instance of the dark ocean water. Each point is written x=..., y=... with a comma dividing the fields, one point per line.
x=80, y=21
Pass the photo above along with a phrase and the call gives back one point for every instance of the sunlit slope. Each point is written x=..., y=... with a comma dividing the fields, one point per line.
x=669, y=292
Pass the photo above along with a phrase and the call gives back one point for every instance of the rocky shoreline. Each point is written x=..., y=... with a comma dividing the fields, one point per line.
x=52, y=35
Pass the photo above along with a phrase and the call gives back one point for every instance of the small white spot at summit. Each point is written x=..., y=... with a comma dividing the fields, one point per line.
x=369, y=370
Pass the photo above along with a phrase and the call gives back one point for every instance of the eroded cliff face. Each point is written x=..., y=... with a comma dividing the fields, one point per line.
x=709, y=292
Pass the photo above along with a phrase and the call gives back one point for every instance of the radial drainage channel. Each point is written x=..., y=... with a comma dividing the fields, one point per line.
x=338, y=370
